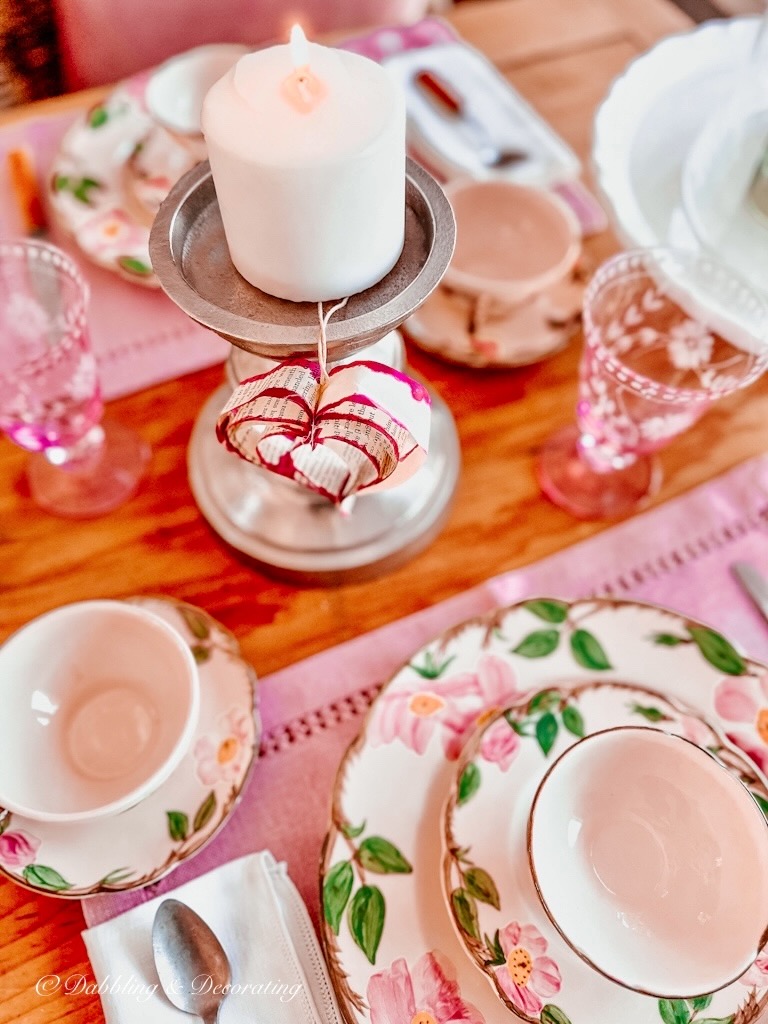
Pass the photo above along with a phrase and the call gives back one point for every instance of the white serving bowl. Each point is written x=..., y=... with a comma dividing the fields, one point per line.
x=99, y=701
x=651, y=859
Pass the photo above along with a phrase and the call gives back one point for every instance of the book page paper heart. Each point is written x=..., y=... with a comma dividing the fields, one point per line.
x=368, y=427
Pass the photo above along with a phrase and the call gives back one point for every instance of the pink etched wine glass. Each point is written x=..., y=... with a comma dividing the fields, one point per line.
x=666, y=334
x=50, y=401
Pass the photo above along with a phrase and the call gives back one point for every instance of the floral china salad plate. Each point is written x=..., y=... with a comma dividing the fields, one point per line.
x=113, y=169
x=394, y=954
x=139, y=846
x=488, y=883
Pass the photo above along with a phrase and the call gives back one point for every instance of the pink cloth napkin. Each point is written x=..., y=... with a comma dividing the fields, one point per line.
x=677, y=555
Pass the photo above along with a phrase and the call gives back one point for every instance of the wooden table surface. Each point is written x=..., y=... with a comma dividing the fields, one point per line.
x=562, y=55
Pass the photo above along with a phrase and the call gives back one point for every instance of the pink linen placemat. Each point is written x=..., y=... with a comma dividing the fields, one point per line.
x=139, y=336
x=677, y=555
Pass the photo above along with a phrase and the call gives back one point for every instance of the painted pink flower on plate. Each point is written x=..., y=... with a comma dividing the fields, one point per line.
x=426, y=994
x=528, y=977
x=413, y=713
x=744, y=699
x=757, y=975
x=111, y=233
x=18, y=849
x=494, y=685
x=500, y=744
x=224, y=756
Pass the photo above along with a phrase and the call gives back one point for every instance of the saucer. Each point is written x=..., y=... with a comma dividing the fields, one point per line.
x=140, y=845
x=389, y=939
x=444, y=326
x=104, y=191
x=488, y=884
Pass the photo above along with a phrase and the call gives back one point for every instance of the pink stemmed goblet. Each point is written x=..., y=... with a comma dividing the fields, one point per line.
x=666, y=334
x=50, y=402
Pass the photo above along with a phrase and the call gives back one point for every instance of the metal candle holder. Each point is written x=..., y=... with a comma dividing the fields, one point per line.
x=288, y=530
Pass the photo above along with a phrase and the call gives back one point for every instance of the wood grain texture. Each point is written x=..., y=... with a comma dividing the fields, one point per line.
x=561, y=54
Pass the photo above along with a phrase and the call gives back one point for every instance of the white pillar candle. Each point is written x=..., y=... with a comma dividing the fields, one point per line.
x=307, y=151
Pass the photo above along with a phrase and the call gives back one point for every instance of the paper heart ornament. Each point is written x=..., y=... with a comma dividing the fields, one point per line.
x=367, y=428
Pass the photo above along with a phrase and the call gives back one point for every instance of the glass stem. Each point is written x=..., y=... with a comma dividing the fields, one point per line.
x=79, y=455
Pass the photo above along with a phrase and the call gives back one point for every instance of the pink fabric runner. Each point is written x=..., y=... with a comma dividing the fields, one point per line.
x=677, y=555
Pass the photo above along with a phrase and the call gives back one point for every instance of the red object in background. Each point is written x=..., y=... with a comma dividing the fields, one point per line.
x=104, y=40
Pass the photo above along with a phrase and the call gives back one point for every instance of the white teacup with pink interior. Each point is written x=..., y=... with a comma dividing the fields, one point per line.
x=174, y=97
x=651, y=859
x=100, y=701
x=514, y=243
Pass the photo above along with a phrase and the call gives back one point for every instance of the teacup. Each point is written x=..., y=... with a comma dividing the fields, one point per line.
x=174, y=97
x=651, y=859
x=513, y=244
x=100, y=702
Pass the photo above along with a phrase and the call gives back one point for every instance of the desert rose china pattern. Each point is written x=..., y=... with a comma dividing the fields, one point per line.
x=142, y=844
x=99, y=190
x=530, y=963
x=393, y=950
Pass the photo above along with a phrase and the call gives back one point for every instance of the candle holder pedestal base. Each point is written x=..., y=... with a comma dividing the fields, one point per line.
x=285, y=528
x=301, y=537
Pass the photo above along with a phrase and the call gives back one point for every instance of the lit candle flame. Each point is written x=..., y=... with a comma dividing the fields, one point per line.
x=299, y=48
x=302, y=88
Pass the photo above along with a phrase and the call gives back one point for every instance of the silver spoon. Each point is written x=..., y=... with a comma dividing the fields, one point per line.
x=192, y=966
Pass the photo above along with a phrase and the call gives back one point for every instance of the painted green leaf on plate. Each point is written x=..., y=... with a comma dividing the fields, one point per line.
x=134, y=266
x=469, y=783
x=366, y=919
x=198, y=624
x=587, y=650
x=573, y=720
x=204, y=812
x=716, y=1020
x=336, y=892
x=465, y=909
x=379, y=855
x=200, y=653
x=553, y=1015
x=494, y=948
x=674, y=1011
x=116, y=877
x=45, y=878
x=700, y=1002
x=98, y=117
x=480, y=885
x=718, y=651
x=546, y=732
x=549, y=611
x=667, y=639
x=650, y=714
x=543, y=701
x=178, y=825
x=352, y=831
x=538, y=644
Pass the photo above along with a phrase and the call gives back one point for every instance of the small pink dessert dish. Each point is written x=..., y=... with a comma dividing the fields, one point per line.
x=100, y=703
x=651, y=859
x=511, y=295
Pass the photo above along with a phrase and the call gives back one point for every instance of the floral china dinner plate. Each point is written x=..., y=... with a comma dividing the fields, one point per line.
x=391, y=947
x=140, y=845
x=113, y=168
x=488, y=883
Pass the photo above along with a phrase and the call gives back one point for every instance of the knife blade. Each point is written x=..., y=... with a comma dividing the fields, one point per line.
x=754, y=584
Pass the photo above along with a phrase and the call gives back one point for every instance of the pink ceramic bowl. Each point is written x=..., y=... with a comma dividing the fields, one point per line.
x=651, y=859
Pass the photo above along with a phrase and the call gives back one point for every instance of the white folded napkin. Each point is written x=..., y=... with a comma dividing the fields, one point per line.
x=278, y=972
